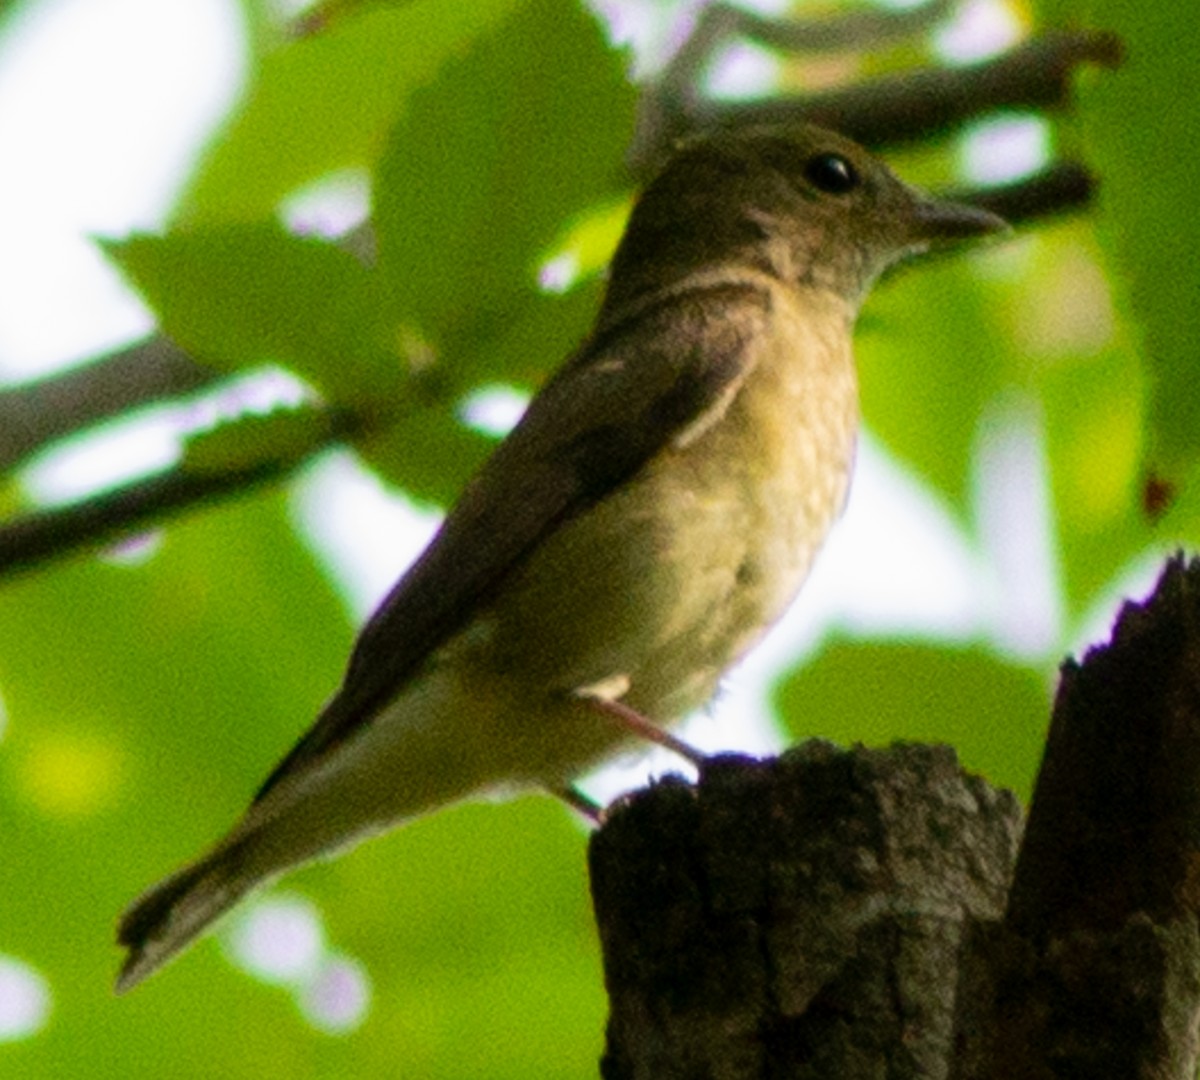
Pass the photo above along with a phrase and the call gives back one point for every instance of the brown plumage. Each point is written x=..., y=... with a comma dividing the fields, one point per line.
x=654, y=512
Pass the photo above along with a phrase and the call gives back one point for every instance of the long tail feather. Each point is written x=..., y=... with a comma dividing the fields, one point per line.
x=163, y=921
x=421, y=752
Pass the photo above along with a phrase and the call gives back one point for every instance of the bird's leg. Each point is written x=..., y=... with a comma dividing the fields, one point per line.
x=646, y=729
x=579, y=802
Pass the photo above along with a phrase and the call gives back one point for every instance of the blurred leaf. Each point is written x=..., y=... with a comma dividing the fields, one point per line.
x=1143, y=144
x=178, y=681
x=505, y=885
x=1094, y=412
x=930, y=359
x=463, y=216
x=286, y=436
x=992, y=712
x=239, y=296
x=488, y=163
x=590, y=240
x=323, y=103
x=536, y=337
x=185, y=679
x=321, y=16
x=428, y=452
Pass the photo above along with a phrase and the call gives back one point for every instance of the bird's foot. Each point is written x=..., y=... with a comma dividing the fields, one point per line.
x=646, y=729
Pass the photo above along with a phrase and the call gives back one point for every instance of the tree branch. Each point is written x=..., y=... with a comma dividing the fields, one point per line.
x=892, y=110
x=39, y=412
x=916, y=105
x=1057, y=189
x=39, y=537
x=899, y=108
x=720, y=23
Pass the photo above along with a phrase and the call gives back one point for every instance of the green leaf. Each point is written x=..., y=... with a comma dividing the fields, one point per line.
x=535, y=338
x=1142, y=142
x=491, y=160
x=468, y=943
x=1095, y=412
x=463, y=217
x=143, y=704
x=285, y=436
x=930, y=359
x=323, y=103
x=993, y=712
x=239, y=296
x=428, y=452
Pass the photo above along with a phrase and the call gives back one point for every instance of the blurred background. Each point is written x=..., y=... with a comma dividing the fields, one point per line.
x=193, y=303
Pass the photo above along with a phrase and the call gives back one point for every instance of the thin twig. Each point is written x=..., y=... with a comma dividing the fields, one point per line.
x=896, y=109
x=154, y=369
x=916, y=105
x=666, y=103
x=1058, y=189
x=913, y=106
x=37, y=413
x=720, y=23
x=39, y=537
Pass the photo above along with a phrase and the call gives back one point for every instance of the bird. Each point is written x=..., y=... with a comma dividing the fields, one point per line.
x=655, y=510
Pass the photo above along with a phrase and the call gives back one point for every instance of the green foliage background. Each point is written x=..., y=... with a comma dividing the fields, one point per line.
x=145, y=703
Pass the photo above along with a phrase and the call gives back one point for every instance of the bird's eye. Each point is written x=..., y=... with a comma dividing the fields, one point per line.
x=831, y=173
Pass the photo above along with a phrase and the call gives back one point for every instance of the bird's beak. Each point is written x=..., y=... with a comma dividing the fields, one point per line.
x=939, y=221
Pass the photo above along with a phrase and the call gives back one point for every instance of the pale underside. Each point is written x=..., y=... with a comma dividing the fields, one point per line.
x=647, y=596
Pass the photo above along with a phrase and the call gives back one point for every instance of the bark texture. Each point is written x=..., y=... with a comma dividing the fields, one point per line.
x=877, y=913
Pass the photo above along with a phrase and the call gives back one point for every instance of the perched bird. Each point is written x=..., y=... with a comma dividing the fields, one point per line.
x=653, y=513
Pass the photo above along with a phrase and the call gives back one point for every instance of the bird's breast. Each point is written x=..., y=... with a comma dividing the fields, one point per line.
x=668, y=581
x=746, y=509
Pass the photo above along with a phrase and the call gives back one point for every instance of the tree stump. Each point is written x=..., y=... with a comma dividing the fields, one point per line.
x=871, y=913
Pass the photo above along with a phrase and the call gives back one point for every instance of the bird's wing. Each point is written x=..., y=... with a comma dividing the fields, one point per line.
x=631, y=390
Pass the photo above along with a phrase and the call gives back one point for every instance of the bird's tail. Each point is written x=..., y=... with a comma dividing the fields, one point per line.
x=168, y=917
x=443, y=741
